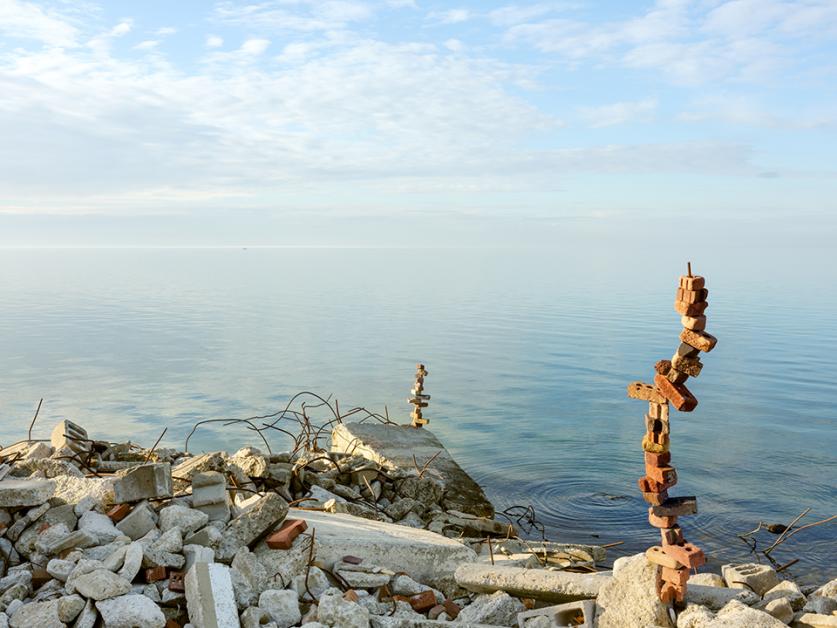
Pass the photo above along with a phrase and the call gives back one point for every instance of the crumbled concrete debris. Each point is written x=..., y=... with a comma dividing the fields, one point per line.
x=212, y=553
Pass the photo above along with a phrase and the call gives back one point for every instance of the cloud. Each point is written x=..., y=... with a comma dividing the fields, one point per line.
x=619, y=113
x=165, y=31
x=451, y=16
x=123, y=28
x=739, y=40
x=214, y=41
x=297, y=15
x=24, y=20
x=149, y=44
x=255, y=46
x=513, y=14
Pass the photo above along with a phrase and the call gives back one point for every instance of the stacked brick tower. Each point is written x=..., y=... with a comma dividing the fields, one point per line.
x=418, y=399
x=675, y=557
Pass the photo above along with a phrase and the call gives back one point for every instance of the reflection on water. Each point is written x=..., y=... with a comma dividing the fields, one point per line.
x=529, y=354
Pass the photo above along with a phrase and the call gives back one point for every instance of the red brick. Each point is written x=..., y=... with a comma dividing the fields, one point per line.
x=692, y=282
x=677, y=577
x=672, y=535
x=687, y=555
x=662, y=475
x=677, y=394
x=695, y=323
x=700, y=340
x=657, y=426
x=690, y=309
x=655, y=499
x=177, y=581
x=434, y=612
x=351, y=596
x=155, y=574
x=451, y=608
x=170, y=623
x=657, y=460
x=283, y=538
x=422, y=602
x=119, y=512
x=692, y=296
x=646, y=392
x=647, y=485
x=659, y=521
x=658, y=410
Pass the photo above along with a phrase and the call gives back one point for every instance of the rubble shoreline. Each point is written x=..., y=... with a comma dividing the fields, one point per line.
x=381, y=529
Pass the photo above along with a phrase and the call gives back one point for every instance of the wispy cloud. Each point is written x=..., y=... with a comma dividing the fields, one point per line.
x=24, y=20
x=619, y=113
x=450, y=16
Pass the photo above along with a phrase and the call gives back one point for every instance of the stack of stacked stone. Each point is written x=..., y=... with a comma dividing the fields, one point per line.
x=418, y=398
x=675, y=557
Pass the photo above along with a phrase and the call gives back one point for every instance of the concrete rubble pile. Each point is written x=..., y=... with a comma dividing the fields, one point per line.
x=101, y=534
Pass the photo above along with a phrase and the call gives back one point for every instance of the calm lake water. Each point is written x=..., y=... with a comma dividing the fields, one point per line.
x=529, y=353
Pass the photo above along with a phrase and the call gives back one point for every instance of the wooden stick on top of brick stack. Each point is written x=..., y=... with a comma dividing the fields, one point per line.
x=418, y=398
x=674, y=556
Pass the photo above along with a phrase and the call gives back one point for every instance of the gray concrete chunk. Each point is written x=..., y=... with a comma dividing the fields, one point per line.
x=210, y=598
x=16, y=493
x=147, y=481
x=251, y=525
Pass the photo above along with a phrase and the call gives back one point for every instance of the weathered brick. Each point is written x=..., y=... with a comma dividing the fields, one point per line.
x=423, y=602
x=677, y=576
x=655, y=498
x=677, y=394
x=119, y=512
x=657, y=460
x=658, y=426
x=657, y=556
x=692, y=296
x=687, y=555
x=676, y=377
x=689, y=366
x=659, y=521
x=662, y=475
x=694, y=323
x=650, y=446
x=690, y=309
x=692, y=282
x=283, y=538
x=672, y=535
x=700, y=340
x=677, y=507
x=646, y=392
x=658, y=410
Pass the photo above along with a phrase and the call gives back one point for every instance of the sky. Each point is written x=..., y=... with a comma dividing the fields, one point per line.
x=416, y=122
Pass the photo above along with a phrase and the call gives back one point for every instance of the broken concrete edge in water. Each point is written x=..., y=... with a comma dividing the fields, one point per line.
x=383, y=530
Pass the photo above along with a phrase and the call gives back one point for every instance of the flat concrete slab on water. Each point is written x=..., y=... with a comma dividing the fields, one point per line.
x=395, y=446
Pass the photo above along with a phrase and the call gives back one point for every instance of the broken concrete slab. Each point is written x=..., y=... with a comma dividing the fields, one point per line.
x=17, y=493
x=426, y=556
x=251, y=525
x=210, y=598
x=139, y=522
x=394, y=446
x=134, y=611
x=568, y=614
x=147, y=481
x=541, y=584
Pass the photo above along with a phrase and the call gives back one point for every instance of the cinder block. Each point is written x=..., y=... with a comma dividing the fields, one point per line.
x=209, y=596
x=147, y=481
x=758, y=578
x=677, y=394
x=700, y=340
x=694, y=323
x=70, y=435
x=657, y=426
